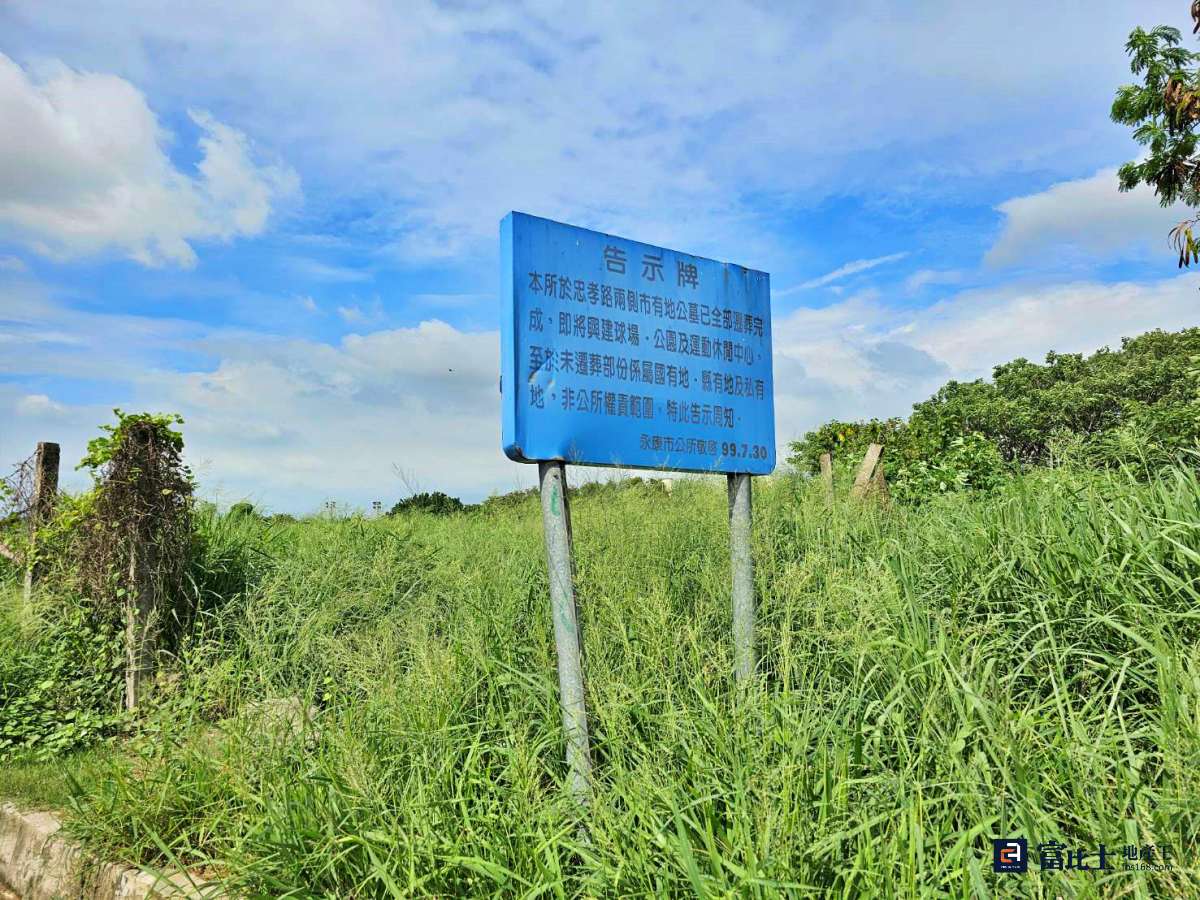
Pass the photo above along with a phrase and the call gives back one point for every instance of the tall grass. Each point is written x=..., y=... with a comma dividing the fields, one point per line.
x=930, y=678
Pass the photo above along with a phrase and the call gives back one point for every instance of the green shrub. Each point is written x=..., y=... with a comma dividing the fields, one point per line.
x=60, y=679
x=509, y=501
x=968, y=462
x=436, y=503
x=1149, y=382
x=843, y=441
x=243, y=509
x=1135, y=407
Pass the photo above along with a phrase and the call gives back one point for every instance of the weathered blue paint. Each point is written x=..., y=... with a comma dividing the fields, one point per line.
x=678, y=378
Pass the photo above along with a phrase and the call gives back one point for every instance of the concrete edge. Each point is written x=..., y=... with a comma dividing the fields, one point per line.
x=40, y=863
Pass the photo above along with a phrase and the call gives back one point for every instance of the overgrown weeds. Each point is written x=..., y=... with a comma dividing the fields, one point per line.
x=932, y=677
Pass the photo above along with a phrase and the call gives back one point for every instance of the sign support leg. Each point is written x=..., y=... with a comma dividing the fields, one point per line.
x=556, y=523
x=742, y=564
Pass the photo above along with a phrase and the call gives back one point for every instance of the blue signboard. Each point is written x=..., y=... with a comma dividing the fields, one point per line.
x=617, y=353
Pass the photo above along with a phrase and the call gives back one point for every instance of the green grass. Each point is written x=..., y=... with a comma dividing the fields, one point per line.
x=930, y=678
x=45, y=784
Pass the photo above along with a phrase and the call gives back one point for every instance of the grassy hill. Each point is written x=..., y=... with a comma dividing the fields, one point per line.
x=1021, y=663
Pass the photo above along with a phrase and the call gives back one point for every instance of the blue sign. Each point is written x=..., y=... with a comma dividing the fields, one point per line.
x=616, y=353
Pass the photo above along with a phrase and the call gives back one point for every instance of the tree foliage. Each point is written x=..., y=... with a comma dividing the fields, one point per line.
x=435, y=503
x=1111, y=406
x=243, y=509
x=842, y=440
x=1164, y=111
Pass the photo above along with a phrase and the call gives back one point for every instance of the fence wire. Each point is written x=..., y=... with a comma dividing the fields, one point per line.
x=16, y=491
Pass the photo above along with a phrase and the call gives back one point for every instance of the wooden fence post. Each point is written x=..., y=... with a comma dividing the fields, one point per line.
x=863, y=479
x=41, y=509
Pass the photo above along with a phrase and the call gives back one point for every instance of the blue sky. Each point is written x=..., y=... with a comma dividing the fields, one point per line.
x=281, y=219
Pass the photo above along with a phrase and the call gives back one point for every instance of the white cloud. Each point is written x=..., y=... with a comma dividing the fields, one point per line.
x=437, y=118
x=922, y=278
x=297, y=419
x=357, y=314
x=850, y=268
x=1086, y=217
x=11, y=264
x=83, y=170
x=863, y=357
x=977, y=329
x=450, y=301
x=319, y=271
x=38, y=405
x=292, y=422
x=287, y=422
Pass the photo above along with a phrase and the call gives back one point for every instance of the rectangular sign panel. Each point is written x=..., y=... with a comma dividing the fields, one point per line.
x=617, y=353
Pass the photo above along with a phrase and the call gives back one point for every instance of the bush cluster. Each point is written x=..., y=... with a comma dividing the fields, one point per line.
x=60, y=681
x=60, y=675
x=436, y=504
x=1135, y=406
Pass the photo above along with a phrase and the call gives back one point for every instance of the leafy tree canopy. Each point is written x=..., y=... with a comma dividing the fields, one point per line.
x=435, y=503
x=243, y=509
x=1164, y=111
x=1145, y=391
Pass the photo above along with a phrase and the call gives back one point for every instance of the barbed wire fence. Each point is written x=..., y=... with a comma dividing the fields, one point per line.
x=28, y=496
x=16, y=491
x=16, y=502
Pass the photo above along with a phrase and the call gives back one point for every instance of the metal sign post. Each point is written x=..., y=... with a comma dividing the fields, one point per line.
x=742, y=565
x=556, y=523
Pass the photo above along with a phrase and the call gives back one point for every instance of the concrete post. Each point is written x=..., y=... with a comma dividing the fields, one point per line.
x=45, y=489
x=862, y=480
x=140, y=622
x=827, y=475
x=879, y=484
